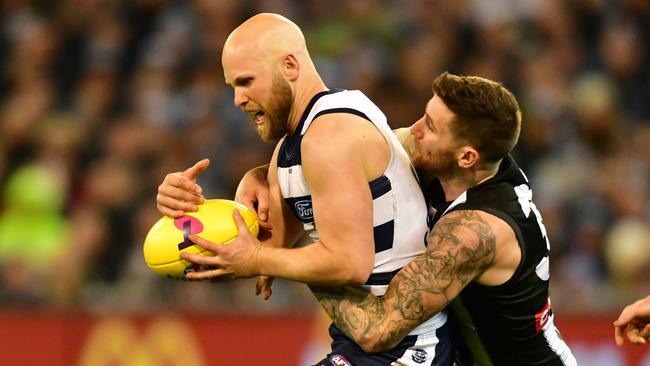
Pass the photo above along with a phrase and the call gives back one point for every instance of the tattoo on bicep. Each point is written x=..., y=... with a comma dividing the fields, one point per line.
x=460, y=247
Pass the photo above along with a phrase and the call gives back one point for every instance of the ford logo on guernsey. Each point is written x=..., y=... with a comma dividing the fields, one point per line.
x=304, y=209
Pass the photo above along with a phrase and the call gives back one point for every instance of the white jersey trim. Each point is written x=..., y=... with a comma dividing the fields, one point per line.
x=557, y=344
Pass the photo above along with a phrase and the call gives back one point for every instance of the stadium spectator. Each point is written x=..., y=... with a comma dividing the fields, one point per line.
x=89, y=60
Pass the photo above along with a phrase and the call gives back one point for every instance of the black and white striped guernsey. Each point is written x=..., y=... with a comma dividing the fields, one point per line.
x=399, y=209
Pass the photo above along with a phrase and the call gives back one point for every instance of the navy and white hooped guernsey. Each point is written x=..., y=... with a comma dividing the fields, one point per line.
x=399, y=208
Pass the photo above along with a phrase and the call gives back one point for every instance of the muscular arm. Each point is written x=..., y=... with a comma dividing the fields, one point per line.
x=461, y=247
x=335, y=167
x=339, y=158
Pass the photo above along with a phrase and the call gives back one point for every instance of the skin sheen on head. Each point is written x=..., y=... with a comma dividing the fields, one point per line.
x=262, y=60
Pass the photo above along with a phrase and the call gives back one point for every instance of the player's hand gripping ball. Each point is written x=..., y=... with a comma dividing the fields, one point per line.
x=168, y=237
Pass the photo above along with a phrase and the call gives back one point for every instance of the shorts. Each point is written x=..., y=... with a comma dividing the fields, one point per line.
x=432, y=349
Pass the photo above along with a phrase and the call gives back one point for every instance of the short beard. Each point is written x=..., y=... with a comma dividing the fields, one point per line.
x=279, y=109
x=444, y=165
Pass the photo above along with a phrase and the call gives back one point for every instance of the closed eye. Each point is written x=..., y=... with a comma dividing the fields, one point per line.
x=429, y=122
x=244, y=81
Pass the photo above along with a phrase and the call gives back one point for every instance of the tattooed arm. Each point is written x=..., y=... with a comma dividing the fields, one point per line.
x=461, y=247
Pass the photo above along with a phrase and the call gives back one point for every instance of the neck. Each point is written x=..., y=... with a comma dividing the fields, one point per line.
x=304, y=92
x=455, y=184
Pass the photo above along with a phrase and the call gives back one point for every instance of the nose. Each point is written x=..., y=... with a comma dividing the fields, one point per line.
x=416, y=128
x=240, y=98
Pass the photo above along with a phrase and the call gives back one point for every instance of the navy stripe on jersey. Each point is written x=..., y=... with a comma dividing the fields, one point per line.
x=290, y=149
x=383, y=235
x=380, y=186
x=445, y=350
x=313, y=101
x=342, y=110
x=383, y=278
x=298, y=131
x=290, y=153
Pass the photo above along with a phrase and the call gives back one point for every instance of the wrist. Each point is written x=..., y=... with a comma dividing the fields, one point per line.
x=258, y=259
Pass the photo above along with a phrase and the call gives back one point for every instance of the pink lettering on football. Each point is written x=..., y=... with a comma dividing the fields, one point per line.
x=195, y=225
x=188, y=225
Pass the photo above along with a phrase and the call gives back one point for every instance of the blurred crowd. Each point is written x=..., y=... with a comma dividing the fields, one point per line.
x=99, y=99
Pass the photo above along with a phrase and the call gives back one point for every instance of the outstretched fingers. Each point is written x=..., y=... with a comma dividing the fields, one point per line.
x=196, y=169
x=179, y=193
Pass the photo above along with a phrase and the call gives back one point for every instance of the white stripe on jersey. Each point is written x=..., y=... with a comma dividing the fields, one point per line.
x=292, y=185
x=386, y=213
x=557, y=344
x=460, y=199
x=377, y=290
x=386, y=261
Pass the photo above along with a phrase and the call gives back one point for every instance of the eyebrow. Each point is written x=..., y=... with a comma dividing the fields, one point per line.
x=242, y=80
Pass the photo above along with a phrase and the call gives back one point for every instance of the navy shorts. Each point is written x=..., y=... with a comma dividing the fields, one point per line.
x=414, y=350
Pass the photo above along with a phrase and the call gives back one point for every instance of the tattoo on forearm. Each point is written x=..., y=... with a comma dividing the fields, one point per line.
x=349, y=308
x=460, y=247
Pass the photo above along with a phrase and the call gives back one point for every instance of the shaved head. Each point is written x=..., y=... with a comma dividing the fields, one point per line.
x=266, y=62
x=265, y=37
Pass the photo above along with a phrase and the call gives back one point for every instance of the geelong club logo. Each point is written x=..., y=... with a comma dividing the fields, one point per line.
x=419, y=355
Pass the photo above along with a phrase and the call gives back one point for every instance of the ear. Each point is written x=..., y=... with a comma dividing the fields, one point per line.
x=467, y=157
x=290, y=67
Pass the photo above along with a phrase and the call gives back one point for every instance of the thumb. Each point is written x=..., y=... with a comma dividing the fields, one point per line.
x=196, y=169
x=242, y=227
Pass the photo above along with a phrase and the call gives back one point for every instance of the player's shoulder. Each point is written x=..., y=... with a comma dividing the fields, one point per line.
x=489, y=241
x=463, y=219
x=476, y=220
x=339, y=124
x=338, y=132
x=477, y=231
x=464, y=239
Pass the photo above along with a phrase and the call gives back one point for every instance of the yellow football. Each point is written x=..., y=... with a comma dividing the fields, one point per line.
x=168, y=237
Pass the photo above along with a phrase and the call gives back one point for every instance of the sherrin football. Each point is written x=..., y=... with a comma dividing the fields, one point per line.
x=168, y=237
